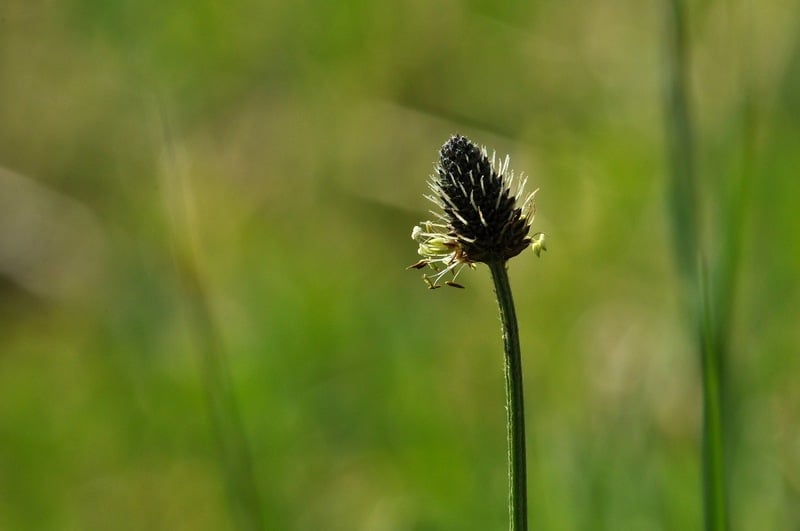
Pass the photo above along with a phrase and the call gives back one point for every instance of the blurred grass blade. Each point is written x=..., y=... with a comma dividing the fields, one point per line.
x=685, y=217
x=224, y=413
x=714, y=483
x=680, y=142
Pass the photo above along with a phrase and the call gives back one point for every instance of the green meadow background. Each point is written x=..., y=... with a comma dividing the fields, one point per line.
x=205, y=217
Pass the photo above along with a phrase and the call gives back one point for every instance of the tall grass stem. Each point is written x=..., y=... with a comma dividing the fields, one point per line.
x=714, y=491
x=226, y=423
x=684, y=206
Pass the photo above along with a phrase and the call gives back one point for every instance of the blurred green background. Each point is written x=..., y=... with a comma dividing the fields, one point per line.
x=215, y=199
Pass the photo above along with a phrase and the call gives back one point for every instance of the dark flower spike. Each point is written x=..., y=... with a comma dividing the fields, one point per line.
x=482, y=219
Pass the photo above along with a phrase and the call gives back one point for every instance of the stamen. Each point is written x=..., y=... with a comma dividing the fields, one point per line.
x=472, y=199
x=438, y=215
x=460, y=217
x=463, y=190
x=527, y=202
x=483, y=219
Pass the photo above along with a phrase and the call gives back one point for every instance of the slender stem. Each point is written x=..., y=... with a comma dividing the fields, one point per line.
x=226, y=422
x=515, y=405
x=686, y=232
x=680, y=141
x=713, y=434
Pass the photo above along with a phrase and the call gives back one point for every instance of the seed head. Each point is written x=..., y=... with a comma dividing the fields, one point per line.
x=482, y=219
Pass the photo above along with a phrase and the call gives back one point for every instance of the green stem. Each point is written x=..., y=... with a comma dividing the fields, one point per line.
x=226, y=422
x=713, y=434
x=680, y=141
x=686, y=232
x=515, y=406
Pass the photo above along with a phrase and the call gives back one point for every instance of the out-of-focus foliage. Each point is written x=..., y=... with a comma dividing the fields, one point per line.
x=281, y=149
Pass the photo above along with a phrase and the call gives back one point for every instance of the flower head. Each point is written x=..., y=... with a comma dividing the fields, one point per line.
x=481, y=220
